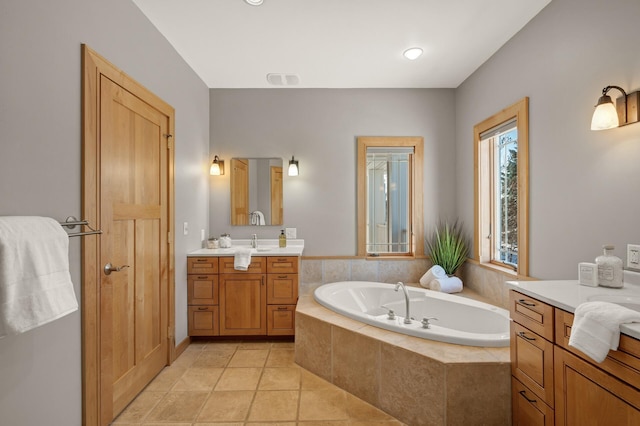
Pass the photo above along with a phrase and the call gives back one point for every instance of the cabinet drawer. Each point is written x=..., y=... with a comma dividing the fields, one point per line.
x=282, y=289
x=202, y=265
x=282, y=265
x=623, y=363
x=528, y=409
x=258, y=265
x=202, y=289
x=532, y=361
x=203, y=321
x=281, y=320
x=533, y=314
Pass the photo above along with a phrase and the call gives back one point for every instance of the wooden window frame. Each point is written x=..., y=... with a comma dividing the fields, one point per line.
x=416, y=246
x=483, y=164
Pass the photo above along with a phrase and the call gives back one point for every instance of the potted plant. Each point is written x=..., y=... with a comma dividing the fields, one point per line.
x=447, y=246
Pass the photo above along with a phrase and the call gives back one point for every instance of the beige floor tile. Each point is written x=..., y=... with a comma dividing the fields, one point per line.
x=280, y=379
x=360, y=410
x=325, y=423
x=309, y=381
x=214, y=358
x=226, y=406
x=249, y=358
x=255, y=345
x=234, y=379
x=198, y=379
x=166, y=379
x=220, y=424
x=274, y=406
x=138, y=409
x=220, y=346
x=325, y=404
x=186, y=359
x=178, y=407
x=283, y=345
x=167, y=424
x=269, y=424
x=281, y=358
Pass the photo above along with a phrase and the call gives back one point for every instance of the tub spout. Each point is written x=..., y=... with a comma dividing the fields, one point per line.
x=407, y=318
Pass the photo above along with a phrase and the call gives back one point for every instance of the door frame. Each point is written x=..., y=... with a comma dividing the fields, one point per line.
x=93, y=66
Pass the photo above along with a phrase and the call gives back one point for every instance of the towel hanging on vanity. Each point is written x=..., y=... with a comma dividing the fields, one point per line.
x=35, y=284
x=242, y=259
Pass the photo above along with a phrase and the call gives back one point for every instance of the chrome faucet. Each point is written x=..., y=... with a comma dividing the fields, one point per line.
x=254, y=241
x=407, y=318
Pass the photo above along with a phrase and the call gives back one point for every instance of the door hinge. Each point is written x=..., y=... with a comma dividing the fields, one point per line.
x=169, y=241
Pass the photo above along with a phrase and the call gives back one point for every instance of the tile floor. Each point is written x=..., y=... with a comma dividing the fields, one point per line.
x=245, y=383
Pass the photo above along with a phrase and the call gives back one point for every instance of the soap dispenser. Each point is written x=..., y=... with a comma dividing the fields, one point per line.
x=282, y=240
x=609, y=268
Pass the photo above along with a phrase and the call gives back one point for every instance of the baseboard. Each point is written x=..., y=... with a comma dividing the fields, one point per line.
x=182, y=346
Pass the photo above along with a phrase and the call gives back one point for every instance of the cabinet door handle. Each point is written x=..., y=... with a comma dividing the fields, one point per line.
x=202, y=260
x=525, y=303
x=203, y=278
x=524, y=336
x=202, y=308
x=282, y=308
x=282, y=276
x=524, y=395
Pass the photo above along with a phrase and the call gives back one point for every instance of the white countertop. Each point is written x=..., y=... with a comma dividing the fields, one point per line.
x=568, y=294
x=265, y=248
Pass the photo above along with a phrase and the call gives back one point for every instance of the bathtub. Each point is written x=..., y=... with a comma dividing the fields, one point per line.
x=460, y=320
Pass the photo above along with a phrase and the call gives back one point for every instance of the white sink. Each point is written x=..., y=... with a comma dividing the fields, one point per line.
x=263, y=249
x=631, y=302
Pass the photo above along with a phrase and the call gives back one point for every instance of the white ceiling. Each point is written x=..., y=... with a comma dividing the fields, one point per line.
x=338, y=43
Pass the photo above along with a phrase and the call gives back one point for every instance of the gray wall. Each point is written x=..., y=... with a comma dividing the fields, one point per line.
x=320, y=128
x=583, y=184
x=40, y=167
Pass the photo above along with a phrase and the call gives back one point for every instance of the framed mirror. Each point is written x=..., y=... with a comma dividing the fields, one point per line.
x=256, y=191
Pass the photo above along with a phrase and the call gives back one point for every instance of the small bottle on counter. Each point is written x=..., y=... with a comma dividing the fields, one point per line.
x=282, y=240
x=609, y=268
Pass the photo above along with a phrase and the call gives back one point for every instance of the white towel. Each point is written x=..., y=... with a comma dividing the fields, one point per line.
x=596, y=327
x=35, y=284
x=446, y=285
x=435, y=272
x=257, y=218
x=242, y=259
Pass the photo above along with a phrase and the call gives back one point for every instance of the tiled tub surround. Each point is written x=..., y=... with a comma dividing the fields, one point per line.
x=417, y=381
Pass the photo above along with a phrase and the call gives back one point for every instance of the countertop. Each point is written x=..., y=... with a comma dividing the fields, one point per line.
x=265, y=248
x=568, y=294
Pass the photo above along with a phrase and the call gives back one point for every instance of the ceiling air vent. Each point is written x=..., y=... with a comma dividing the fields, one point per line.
x=283, y=79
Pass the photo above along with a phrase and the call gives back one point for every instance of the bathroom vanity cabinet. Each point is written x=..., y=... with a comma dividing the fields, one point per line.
x=555, y=384
x=258, y=302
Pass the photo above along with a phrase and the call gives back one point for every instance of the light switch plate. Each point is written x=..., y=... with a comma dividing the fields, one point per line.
x=633, y=256
x=185, y=228
x=290, y=232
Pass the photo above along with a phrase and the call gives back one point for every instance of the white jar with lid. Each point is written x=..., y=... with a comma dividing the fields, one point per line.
x=609, y=268
x=225, y=241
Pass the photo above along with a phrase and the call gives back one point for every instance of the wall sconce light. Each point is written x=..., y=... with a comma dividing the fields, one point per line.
x=293, y=167
x=217, y=167
x=607, y=115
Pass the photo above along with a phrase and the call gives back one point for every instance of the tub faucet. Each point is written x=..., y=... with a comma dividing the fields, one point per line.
x=407, y=318
x=254, y=241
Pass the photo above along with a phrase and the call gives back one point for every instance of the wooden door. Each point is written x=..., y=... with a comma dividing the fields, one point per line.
x=276, y=195
x=128, y=310
x=243, y=304
x=239, y=191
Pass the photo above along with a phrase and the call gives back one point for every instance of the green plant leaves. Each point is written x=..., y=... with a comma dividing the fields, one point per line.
x=448, y=246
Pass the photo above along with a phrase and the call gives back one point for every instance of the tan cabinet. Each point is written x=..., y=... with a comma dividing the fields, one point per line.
x=202, y=296
x=243, y=304
x=586, y=395
x=257, y=302
x=282, y=295
x=553, y=383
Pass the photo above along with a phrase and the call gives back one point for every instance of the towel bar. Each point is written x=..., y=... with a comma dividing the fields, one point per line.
x=71, y=222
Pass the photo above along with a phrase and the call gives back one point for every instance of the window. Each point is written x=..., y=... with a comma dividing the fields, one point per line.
x=501, y=189
x=389, y=213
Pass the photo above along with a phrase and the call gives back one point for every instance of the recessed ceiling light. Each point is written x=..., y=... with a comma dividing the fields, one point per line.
x=412, y=53
x=254, y=2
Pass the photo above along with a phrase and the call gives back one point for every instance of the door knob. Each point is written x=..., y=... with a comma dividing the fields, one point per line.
x=109, y=268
